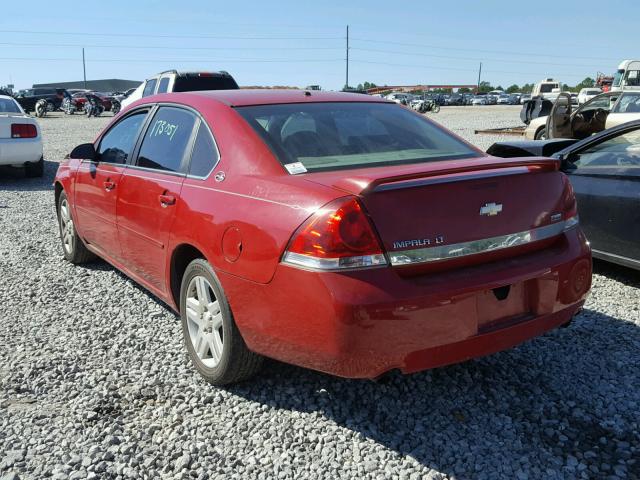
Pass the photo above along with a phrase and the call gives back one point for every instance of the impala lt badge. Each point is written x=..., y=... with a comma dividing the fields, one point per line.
x=419, y=242
x=491, y=209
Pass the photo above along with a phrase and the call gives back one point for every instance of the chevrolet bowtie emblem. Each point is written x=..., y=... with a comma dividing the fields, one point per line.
x=491, y=209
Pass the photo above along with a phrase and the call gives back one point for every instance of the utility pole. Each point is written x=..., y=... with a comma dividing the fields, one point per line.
x=479, y=73
x=346, y=85
x=84, y=69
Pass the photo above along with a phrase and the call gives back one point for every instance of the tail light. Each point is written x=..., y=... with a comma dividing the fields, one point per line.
x=569, y=205
x=23, y=130
x=337, y=236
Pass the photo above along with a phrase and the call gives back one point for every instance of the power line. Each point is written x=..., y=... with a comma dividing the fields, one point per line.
x=149, y=35
x=161, y=60
x=157, y=47
x=503, y=60
x=457, y=69
x=503, y=52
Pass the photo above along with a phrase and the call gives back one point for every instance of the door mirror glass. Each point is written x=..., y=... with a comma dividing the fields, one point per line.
x=85, y=151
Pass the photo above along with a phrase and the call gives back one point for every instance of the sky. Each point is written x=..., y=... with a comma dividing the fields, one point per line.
x=299, y=43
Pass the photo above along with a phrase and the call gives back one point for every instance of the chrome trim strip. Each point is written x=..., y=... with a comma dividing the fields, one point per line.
x=400, y=184
x=334, y=264
x=463, y=249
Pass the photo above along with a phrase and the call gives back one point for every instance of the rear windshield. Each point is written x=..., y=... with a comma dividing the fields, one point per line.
x=8, y=106
x=193, y=83
x=548, y=87
x=332, y=136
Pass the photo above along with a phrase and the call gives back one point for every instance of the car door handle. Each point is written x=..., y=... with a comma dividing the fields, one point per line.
x=109, y=185
x=166, y=200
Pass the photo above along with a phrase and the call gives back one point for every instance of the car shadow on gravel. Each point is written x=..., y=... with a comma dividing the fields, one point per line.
x=625, y=275
x=552, y=407
x=14, y=179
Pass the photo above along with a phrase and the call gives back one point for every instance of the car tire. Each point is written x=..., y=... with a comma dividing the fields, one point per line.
x=541, y=134
x=214, y=343
x=73, y=247
x=34, y=169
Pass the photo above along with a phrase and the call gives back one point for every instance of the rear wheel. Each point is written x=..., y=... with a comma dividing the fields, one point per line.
x=72, y=245
x=541, y=134
x=34, y=169
x=213, y=341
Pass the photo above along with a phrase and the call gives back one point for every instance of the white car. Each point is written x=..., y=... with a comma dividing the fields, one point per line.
x=603, y=111
x=20, y=138
x=587, y=94
x=479, y=100
x=174, y=81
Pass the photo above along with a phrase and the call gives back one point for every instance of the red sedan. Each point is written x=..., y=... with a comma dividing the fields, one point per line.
x=334, y=231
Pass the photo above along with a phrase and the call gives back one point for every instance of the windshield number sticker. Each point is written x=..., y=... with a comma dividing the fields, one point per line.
x=162, y=127
x=295, y=167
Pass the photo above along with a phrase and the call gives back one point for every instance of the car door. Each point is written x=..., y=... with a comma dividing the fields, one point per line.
x=97, y=183
x=606, y=179
x=626, y=109
x=150, y=192
x=559, y=119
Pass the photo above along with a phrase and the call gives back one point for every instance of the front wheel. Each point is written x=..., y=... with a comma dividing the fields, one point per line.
x=72, y=245
x=541, y=134
x=436, y=108
x=116, y=107
x=213, y=341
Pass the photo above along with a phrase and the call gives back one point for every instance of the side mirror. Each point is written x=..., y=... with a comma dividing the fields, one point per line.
x=566, y=161
x=85, y=151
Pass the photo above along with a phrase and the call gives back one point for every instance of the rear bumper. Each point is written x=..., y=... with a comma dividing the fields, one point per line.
x=18, y=151
x=360, y=324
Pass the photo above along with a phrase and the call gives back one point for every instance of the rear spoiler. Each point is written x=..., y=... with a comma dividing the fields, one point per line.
x=496, y=168
x=531, y=148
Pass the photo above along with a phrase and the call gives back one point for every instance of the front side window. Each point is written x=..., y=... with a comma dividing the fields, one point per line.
x=629, y=103
x=149, y=88
x=331, y=136
x=204, y=155
x=602, y=102
x=165, y=141
x=116, y=145
x=622, y=151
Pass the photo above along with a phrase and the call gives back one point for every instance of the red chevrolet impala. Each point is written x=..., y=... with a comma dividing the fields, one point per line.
x=334, y=231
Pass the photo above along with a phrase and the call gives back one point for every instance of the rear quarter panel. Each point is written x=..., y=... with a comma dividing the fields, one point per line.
x=254, y=210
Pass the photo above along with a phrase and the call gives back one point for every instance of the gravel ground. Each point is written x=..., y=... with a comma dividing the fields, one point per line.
x=94, y=381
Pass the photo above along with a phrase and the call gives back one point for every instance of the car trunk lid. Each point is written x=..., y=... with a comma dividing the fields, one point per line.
x=442, y=213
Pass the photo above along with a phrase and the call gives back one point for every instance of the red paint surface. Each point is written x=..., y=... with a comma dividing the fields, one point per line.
x=355, y=323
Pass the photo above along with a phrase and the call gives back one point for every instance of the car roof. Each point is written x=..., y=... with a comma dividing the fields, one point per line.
x=239, y=98
x=7, y=97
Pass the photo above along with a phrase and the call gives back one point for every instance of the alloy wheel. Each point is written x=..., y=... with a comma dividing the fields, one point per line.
x=204, y=321
x=66, y=227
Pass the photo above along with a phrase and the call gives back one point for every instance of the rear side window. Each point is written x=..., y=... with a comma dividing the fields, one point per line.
x=165, y=142
x=204, y=155
x=149, y=88
x=117, y=143
x=8, y=106
x=332, y=136
x=199, y=82
x=164, y=85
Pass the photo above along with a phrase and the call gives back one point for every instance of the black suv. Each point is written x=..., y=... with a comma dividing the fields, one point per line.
x=53, y=96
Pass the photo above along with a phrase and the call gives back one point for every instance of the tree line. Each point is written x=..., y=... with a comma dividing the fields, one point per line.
x=485, y=87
